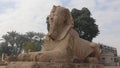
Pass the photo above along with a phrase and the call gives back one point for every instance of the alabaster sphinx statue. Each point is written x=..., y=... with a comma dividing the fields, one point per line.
x=62, y=43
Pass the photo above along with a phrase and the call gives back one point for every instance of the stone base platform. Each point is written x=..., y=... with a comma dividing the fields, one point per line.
x=52, y=65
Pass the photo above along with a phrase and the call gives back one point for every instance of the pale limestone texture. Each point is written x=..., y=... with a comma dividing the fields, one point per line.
x=62, y=48
x=51, y=65
x=63, y=44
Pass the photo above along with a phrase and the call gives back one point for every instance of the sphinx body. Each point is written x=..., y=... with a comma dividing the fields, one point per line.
x=62, y=43
x=70, y=49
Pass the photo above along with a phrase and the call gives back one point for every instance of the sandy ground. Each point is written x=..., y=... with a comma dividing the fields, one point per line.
x=2, y=66
x=112, y=67
x=104, y=67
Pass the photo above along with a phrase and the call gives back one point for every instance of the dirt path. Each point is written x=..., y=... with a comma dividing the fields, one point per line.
x=104, y=67
x=112, y=67
x=2, y=66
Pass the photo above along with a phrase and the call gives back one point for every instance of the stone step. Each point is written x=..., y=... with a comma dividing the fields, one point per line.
x=52, y=65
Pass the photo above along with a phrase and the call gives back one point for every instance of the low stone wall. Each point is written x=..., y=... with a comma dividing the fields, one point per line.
x=51, y=65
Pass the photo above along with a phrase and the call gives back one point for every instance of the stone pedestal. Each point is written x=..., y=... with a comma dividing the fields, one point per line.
x=52, y=65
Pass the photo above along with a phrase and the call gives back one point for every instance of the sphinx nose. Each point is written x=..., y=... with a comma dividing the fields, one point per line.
x=51, y=18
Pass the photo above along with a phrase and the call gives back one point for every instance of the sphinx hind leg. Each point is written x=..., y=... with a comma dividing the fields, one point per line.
x=95, y=55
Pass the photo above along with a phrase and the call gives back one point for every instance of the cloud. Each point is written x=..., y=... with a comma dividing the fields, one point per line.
x=28, y=15
x=82, y=3
x=107, y=15
x=5, y=6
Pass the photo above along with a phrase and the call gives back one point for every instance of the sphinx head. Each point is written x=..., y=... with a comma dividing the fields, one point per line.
x=60, y=19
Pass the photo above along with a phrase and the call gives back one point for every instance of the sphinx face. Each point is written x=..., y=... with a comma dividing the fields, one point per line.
x=56, y=21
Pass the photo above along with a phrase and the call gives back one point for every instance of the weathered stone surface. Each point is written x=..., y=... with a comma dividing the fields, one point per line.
x=52, y=65
x=63, y=48
x=62, y=43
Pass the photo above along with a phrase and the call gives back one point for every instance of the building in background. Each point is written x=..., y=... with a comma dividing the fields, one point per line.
x=108, y=55
x=118, y=60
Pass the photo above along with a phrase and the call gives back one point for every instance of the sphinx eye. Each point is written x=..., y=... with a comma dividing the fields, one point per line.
x=51, y=18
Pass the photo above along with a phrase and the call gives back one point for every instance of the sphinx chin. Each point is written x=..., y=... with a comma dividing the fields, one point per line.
x=53, y=36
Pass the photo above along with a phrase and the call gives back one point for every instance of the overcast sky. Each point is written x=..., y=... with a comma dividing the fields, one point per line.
x=30, y=15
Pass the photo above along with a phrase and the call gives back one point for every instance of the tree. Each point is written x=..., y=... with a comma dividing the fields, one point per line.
x=84, y=24
x=20, y=42
x=4, y=48
x=29, y=46
x=15, y=43
x=32, y=46
x=35, y=40
x=10, y=38
x=31, y=34
x=47, y=21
